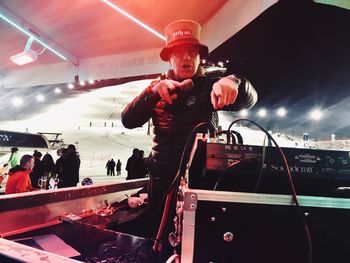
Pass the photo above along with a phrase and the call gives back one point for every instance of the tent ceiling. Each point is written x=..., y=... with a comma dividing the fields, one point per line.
x=104, y=43
x=90, y=28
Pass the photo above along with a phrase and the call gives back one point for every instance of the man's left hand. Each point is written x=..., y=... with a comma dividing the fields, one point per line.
x=224, y=93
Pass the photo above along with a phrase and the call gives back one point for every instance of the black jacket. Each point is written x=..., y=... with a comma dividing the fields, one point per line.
x=173, y=123
x=38, y=171
x=69, y=167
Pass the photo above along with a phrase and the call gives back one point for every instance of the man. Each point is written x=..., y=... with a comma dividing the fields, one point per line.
x=176, y=110
x=60, y=166
x=107, y=167
x=18, y=179
x=130, y=165
x=70, y=166
x=119, y=167
x=38, y=169
x=140, y=165
x=112, y=167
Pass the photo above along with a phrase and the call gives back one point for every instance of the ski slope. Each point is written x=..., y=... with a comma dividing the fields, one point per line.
x=91, y=121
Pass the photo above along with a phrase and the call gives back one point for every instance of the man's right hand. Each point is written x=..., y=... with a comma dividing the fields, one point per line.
x=164, y=88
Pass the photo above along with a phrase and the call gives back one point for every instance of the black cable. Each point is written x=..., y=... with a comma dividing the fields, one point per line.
x=170, y=222
x=232, y=135
x=118, y=254
x=291, y=184
x=182, y=164
x=263, y=154
x=224, y=173
x=239, y=137
x=180, y=172
x=235, y=164
x=108, y=248
x=182, y=167
x=139, y=247
x=227, y=139
x=111, y=246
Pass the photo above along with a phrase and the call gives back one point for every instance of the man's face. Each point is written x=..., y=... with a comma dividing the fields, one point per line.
x=184, y=61
x=30, y=164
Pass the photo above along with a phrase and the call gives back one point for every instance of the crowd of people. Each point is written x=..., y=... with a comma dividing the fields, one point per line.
x=39, y=172
x=136, y=166
x=111, y=167
x=34, y=172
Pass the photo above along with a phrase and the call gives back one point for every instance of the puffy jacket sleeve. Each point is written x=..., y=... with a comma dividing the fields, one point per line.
x=140, y=110
x=247, y=96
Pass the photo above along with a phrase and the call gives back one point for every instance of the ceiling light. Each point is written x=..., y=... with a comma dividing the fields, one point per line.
x=17, y=22
x=30, y=35
x=134, y=19
x=24, y=57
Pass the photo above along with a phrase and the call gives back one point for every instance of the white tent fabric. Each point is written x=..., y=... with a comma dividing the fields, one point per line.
x=111, y=47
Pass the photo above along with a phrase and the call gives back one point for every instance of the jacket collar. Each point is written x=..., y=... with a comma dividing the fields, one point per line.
x=16, y=169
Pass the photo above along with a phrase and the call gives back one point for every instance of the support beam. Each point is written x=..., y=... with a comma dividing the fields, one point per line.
x=143, y=62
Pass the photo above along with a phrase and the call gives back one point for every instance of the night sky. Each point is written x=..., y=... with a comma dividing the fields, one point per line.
x=297, y=55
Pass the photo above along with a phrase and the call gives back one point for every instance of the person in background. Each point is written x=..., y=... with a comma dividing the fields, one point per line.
x=14, y=158
x=59, y=166
x=12, y=162
x=38, y=170
x=3, y=173
x=107, y=167
x=48, y=167
x=18, y=180
x=112, y=167
x=71, y=166
x=119, y=167
x=48, y=163
x=130, y=164
x=140, y=166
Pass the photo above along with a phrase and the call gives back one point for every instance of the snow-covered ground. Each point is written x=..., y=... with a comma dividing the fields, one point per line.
x=101, y=141
x=106, y=137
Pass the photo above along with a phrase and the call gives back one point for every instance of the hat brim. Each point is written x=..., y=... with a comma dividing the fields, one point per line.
x=166, y=51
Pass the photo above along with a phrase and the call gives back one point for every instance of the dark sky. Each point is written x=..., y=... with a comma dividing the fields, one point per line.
x=297, y=55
